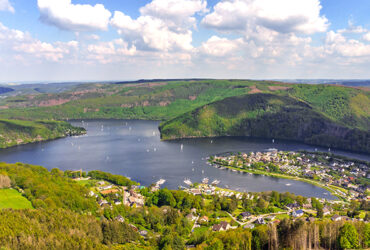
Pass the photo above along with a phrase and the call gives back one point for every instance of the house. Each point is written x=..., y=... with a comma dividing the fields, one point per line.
x=270, y=217
x=336, y=217
x=133, y=227
x=203, y=219
x=310, y=219
x=106, y=187
x=117, y=202
x=196, y=192
x=249, y=226
x=102, y=202
x=120, y=218
x=293, y=206
x=193, y=210
x=191, y=217
x=143, y=233
x=245, y=215
x=297, y=213
x=260, y=221
x=108, y=191
x=326, y=210
x=223, y=226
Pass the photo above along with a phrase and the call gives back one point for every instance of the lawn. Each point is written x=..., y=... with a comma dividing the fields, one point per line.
x=11, y=198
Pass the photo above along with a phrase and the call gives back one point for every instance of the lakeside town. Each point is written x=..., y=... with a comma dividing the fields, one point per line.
x=345, y=178
x=232, y=209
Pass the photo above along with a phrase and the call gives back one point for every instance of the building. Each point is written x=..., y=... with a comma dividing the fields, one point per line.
x=120, y=218
x=336, y=217
x=191, y=217
x=203, y=219
x=245, y=215
x=117, y=202
x=223, y=226
x=260, y=221
x=326, y=210
x=297, y=213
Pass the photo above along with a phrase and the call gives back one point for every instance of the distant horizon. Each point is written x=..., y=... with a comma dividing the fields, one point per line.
x=10, y=83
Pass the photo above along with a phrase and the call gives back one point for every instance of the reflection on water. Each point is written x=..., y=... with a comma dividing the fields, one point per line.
x=133, y=148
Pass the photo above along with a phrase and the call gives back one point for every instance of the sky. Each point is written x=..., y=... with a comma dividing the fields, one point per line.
x=104, y=40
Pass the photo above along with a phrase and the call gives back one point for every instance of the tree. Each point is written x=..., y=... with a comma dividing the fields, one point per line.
x=348, y=237
x=320, y=212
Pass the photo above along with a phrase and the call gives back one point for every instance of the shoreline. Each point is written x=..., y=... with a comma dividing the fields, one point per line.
x=281, y=176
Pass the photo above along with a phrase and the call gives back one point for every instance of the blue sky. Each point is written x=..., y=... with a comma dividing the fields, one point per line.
x=66, y=40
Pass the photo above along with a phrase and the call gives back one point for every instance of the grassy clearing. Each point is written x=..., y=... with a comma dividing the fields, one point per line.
x=11, y=198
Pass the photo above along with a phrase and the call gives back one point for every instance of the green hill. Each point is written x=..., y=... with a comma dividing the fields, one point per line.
x=16, y=132
x=345, y=108
x=270, y=116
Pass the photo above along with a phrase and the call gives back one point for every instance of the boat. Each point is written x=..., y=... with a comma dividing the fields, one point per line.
x=215, y=182
x=188, y=182
x=205, y=180
x=182, y=147
x=160, y=182
x=272, y=149
x=288, y=184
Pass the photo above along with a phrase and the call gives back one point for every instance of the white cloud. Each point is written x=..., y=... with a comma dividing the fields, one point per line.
x=366, y=37
x=216, y=46
x=164, y=25
x=17, y=44
x=337, y=44
x=74, y=17
x=107, y=52
x=178, y=13
x=282, y=16
x=352, y=28
x=6, y=6
x=149, y=33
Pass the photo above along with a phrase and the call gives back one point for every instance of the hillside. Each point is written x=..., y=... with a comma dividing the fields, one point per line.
x=5, y=90
x=16, y=132
x=273, y=116
x=346, y=107
x=165, y=100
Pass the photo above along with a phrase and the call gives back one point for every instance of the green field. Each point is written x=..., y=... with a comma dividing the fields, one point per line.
x=11, y=198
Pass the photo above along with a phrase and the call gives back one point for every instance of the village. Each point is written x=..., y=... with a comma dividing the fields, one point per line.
x=109, y=195
x=253, y=209
x=246, y=219
x=343, y=177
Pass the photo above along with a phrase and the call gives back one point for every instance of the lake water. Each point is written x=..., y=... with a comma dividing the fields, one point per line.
x=133, y=148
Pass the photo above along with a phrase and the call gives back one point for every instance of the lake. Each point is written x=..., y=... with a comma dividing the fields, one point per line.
x=133, y=148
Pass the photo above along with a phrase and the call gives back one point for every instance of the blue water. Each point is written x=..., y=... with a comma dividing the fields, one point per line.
x=133, y=148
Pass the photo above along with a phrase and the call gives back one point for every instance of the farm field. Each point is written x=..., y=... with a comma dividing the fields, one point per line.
x=11, y=198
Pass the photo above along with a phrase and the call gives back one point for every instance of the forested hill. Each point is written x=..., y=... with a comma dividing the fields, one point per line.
x=16, y=132
x=343, y=108
x=5, y=90
x=273, y=116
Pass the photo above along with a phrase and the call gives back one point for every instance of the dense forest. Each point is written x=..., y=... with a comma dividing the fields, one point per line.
x=66, y=216
x=266, y=116
x=16, y=132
